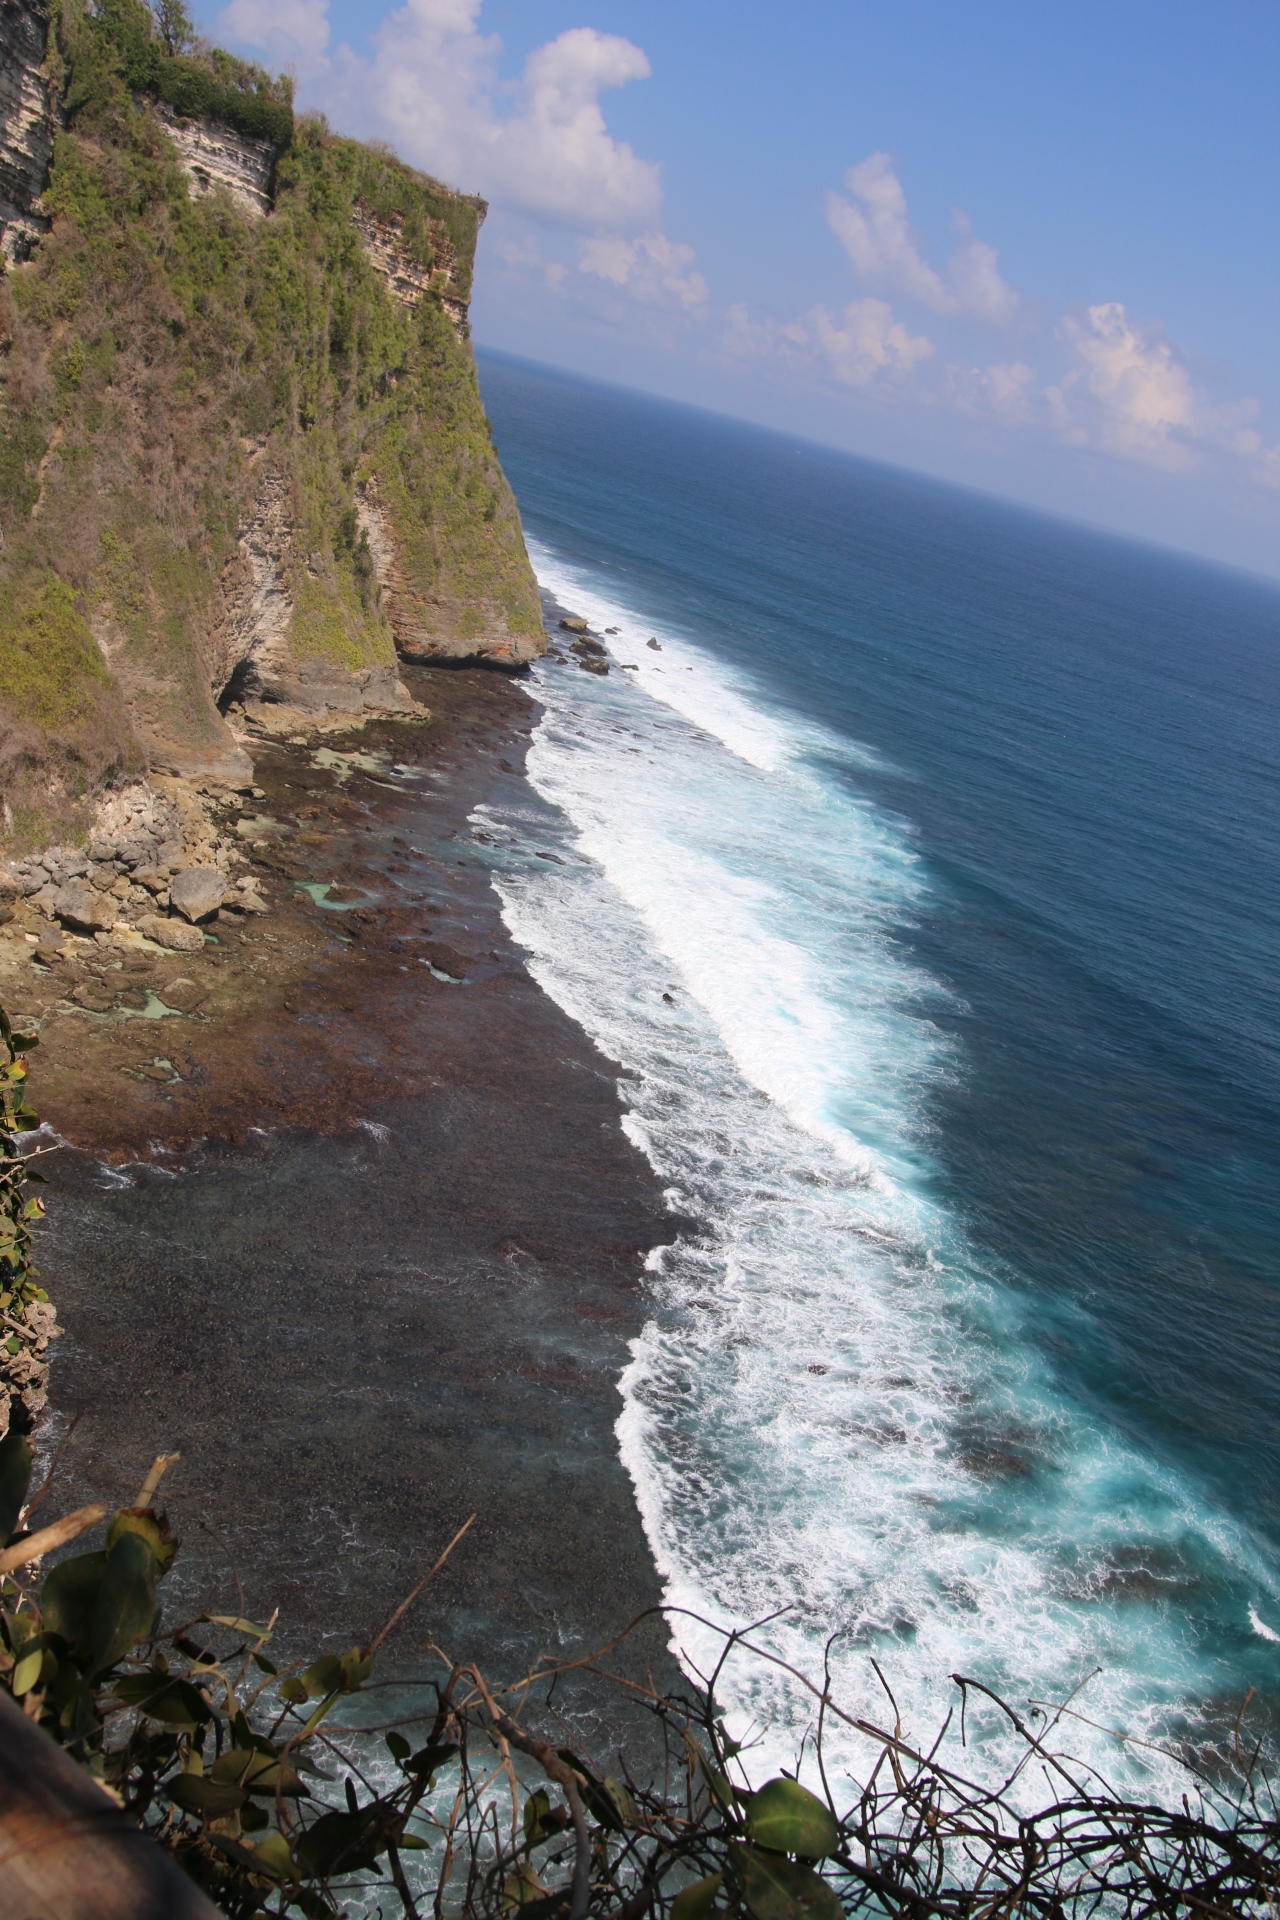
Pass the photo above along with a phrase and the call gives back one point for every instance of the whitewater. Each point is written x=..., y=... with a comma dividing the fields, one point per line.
x=835, y=1415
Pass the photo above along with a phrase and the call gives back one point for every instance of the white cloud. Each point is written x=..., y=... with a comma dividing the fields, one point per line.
x=746, y=338
x=869, y=343
x=864, y=347
x=653, y=269
x=1126, y=390
x=1130, y=392
x=432, y=87
x=291, y=33
x=876, y=234
x=1009, y=391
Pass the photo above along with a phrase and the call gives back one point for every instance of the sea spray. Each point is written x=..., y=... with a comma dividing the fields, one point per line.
x=837, y=1406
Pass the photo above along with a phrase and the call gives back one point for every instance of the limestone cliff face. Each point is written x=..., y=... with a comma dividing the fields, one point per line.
x=214, y=155
x=28, y=125
x=244, y=467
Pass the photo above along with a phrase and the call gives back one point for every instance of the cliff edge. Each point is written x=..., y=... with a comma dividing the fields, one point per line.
x=244, y=465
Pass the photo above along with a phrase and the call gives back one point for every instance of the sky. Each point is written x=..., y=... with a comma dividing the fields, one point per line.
x=1029, y=249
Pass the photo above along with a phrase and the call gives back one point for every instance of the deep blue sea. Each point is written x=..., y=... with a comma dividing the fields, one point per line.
x=925, y=876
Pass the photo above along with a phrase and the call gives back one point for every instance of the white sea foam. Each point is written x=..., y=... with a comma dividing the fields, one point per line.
x=833, y=1408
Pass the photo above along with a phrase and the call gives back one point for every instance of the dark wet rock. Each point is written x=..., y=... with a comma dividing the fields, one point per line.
x=197, y=893
x=447, y=959
x=654, y=644
x=81, y=906
x=994, y=1463
x=594, y=666
x=589, y=645
x=573, y=623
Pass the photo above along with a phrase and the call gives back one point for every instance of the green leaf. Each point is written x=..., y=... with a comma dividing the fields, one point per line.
x=344, y=1842
x=273, y=1853
x=211, y=1799
x=175, y=1703
x=595, y=1796
x=27, y=1672
x=778, y=1889
x=324, y=1677
x=696, y=1902
x=354, y=1670
x=255, y=1771
x=398, y=1746
x=431, y=1759
x=148, y=1527
x=69, y=1593
x=723, y=1789
x=126, y=1604
x=292, y=1689
x=536, y=1809
x=237, y=1625
x=789, y=1819
x=15, y=1478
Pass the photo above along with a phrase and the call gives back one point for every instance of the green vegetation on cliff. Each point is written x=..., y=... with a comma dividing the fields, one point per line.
x=189, y=395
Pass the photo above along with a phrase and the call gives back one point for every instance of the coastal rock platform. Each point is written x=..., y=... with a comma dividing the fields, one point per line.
x=348, y=1218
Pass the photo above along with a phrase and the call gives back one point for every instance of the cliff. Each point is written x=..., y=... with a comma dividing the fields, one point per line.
x=244, y=466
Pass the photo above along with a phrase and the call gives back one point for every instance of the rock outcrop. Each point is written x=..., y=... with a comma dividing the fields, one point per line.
x=214, y=155
x=408, y=280
x=28, y=127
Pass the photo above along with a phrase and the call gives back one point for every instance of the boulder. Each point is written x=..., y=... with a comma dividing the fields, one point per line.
x=573, y=623
x=81, y=906
x=174, y=934
x=654, y=644
x=197, y=892
x=589, y=645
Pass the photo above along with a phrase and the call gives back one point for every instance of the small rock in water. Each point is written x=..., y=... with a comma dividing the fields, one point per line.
x=654, y=644
x=613, y=629
x=197, y=892
x=574, y=623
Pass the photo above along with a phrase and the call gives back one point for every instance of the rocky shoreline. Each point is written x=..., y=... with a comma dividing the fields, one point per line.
x=373, y=1253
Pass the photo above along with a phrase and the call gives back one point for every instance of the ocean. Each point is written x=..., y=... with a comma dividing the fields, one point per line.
x=919, y=860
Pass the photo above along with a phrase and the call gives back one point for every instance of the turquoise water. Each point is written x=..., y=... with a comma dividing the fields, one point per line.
x=926, y=876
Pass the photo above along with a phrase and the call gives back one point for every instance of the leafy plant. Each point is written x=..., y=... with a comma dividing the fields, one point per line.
x=27, y=1319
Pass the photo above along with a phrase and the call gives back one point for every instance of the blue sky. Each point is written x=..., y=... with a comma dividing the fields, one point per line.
x=1030, y=249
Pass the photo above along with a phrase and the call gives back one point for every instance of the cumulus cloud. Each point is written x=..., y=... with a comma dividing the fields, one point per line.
x=540, y=147
x=1129, y=391
x=291, y=33
x=874, y=228
x=864, y=347
x=870, y=342
x=653, y=269
x=1009, y=391
x=1126, y=390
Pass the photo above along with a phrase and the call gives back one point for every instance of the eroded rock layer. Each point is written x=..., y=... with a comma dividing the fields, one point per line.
x=28, y=126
